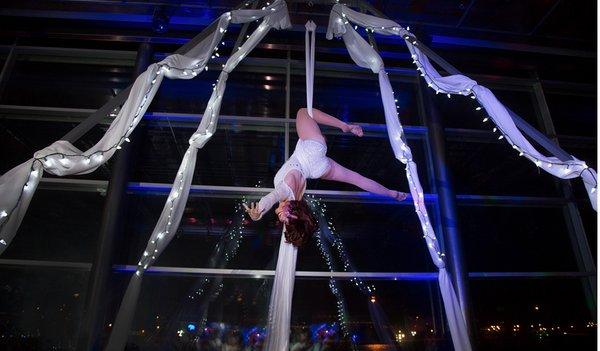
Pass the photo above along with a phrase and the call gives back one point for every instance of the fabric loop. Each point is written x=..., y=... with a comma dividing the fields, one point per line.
x=309, y=52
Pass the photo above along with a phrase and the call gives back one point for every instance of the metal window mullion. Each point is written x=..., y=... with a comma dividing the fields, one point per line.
x=581, y=249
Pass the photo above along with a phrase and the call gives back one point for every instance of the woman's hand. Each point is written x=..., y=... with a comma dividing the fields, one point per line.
x=253, y=211
x=354, y=129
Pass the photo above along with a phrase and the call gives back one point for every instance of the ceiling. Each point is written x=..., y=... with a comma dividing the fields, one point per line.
x=551, y=23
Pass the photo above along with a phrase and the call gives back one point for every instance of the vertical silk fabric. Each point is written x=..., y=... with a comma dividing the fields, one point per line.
x=309, y=52
x=365, y=56
x=457, y=84
x=62, y=158
x=273, y=16
x=280, y=305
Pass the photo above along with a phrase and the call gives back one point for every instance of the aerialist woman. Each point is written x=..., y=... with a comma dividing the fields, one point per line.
x=309, y=160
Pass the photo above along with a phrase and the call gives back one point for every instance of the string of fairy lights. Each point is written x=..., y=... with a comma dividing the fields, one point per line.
x=97, y=158
x=206, y=130
x=227, y=248
x=406, y=157
x=412, y=42
x=328, y=234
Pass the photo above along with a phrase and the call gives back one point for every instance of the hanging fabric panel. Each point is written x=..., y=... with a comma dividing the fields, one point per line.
x=461, y=85
x=62, y=158
x=365, y=56
x=309, y=51
x=274, y=16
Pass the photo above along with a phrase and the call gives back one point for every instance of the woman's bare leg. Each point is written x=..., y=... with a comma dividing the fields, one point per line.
x=342, y=174
x=308, y=128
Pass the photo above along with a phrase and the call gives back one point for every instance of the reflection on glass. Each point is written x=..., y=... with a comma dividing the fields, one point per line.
x=246, y=94
x=204, y=312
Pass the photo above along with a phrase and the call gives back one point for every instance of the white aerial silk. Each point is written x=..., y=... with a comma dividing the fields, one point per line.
x=273, y=16
x=309, y=52
x=280, y=305
x=365, y=56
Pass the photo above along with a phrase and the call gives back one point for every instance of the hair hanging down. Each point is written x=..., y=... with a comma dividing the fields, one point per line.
x=299, y=230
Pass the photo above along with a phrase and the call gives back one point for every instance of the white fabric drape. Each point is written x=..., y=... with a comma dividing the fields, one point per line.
x=61, y=158
x=280, y=306
x=309, y=52
x=460, y=85
x=274, y=16
x=365, y=56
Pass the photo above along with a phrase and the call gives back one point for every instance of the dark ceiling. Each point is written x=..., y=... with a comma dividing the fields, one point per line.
x=552, y=23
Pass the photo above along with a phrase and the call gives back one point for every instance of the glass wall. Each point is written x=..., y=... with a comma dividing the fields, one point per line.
x=528, y=239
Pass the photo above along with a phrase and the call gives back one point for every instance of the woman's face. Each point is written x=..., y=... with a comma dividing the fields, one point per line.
x=283, y=212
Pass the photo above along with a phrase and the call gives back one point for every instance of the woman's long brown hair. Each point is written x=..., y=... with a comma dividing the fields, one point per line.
x=299, y=230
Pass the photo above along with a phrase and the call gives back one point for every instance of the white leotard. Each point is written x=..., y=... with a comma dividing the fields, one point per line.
x=309, y=158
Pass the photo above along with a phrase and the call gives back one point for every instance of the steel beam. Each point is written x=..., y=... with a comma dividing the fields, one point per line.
x=111, y=231
x=446, y=202
x=9, y=64
x=579, y=242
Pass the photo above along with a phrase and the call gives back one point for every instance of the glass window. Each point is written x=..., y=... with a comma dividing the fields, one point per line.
x=179, y=311
x=519, y=239
x=41, y=308
x=589, y=217
x=185, y=95
x=246, y=94
x=340, y=96
x=373, y=235
x=494, y=168
x=20, y=141
x=36, y=82
x=573, y=114
x=237, y=155
x=459, y=111
x=59, y=225
x=531, y=314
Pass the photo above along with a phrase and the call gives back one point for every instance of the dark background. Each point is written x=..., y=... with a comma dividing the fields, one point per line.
x=525, y=242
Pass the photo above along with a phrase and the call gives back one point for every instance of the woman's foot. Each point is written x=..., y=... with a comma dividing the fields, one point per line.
x=354, y=129
x=400, y=196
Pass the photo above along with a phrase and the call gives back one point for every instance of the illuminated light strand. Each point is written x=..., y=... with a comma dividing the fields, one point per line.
x=469, y=91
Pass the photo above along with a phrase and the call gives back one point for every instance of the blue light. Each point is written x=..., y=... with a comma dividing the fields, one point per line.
x=191, y=327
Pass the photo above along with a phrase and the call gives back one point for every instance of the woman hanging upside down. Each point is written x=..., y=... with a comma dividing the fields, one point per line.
x=309, y=160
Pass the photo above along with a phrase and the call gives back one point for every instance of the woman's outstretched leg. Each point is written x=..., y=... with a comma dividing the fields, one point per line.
x=342, y=174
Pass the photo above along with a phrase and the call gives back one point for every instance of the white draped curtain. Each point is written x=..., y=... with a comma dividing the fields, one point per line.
x=273, y=16
x=341, y=21
x=62, y=158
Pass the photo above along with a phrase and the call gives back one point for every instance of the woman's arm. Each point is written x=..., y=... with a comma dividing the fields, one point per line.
x=257, y=209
